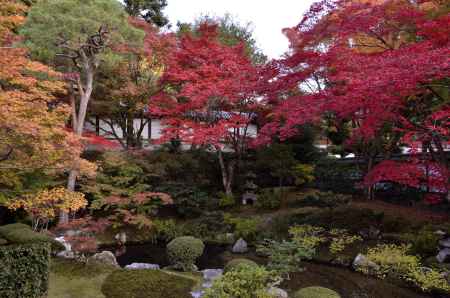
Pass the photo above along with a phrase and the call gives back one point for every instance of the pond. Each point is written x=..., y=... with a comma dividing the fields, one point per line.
x=346, y=282
x=156, y=254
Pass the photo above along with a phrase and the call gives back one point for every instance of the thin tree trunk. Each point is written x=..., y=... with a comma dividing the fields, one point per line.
x=227, y=173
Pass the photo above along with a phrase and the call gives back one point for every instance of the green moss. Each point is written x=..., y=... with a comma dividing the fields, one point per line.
x=237, y=263
x=146, y=284
x=316, y=292
x=71, y=279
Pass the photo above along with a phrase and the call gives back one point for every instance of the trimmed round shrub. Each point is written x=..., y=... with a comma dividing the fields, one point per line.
x=238, y=263
x=183, y=251
x=316, y=292
x=146, y=284
x=19, y=233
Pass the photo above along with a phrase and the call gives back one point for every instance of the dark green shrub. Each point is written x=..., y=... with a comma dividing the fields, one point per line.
x=24, y=270
x=332, y=175
x=146, y=284
x=20, y=233
x=324, y=199
x=226, y=201
x=246, y=228
x=347, y=218
x=183, y=251
x=316, y=292
x=15, y=226
x=270, y=198
x=423, y=243
x=237, y=263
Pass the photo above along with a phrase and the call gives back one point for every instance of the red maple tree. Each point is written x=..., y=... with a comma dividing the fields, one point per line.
x=209, y=98
x=380, y=66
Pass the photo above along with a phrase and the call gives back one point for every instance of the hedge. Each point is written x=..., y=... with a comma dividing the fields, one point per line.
x=24, y=270
x=24, y=262
x=146, y=284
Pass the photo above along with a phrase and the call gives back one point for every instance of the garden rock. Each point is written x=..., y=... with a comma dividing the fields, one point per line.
x=371, y=233
x=443, y=255
x=140, y=266
x=209, y=275
x=66, y=254
x=212, y=274
x=440, y=233
x=240, y=247
x=104, y=257
x=121, y=237
x=361, y=261
x=445, y=243
x=63, y=241
x=277, y=292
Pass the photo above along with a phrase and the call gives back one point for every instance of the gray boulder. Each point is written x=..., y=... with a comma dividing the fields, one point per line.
x=66, y=254
x=104, y=257
x=371, y=233
x=121, y=237
x=212, y=274
x=362, y=262
x=240, y=247
x=277, y=293
x=445, y=243
x=443, y=255
x=140, y=266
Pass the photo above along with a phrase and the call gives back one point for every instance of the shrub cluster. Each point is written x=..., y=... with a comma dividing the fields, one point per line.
x=395, y=260
x=316, y=292
x=146, y=284
x=183, y=251
x=245, y=281
x=270, y=198
x=24, y=262
x=236, y=263
x=246, y=228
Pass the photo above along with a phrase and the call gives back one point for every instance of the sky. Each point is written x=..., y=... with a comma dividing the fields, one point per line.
x=268, y=17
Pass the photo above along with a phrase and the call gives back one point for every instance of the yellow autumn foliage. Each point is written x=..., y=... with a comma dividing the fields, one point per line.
x=46, y=203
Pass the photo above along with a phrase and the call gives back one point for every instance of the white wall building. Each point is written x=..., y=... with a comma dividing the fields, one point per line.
x=151, y=133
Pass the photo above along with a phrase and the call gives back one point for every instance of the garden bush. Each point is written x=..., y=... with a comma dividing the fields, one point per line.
x=165, y=230
x=316, y=292
x=146, y=284
x=270, y=198
x=395, y=261
x=19, y=233
x=24, y=262
x=246, y=281
x=183, y=251
x=423, y=243
x=226, y=201
x=324, y=199
x=347, y=218
x=246, y=228
x=237, y=263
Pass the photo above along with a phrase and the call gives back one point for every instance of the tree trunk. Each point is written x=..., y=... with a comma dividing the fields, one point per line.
x=370, y=187
x=227, y=173
x=78, y=119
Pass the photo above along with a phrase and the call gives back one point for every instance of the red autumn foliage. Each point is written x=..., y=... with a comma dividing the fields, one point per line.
x=210, y=93
x=373, y=64
x=85, y=231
